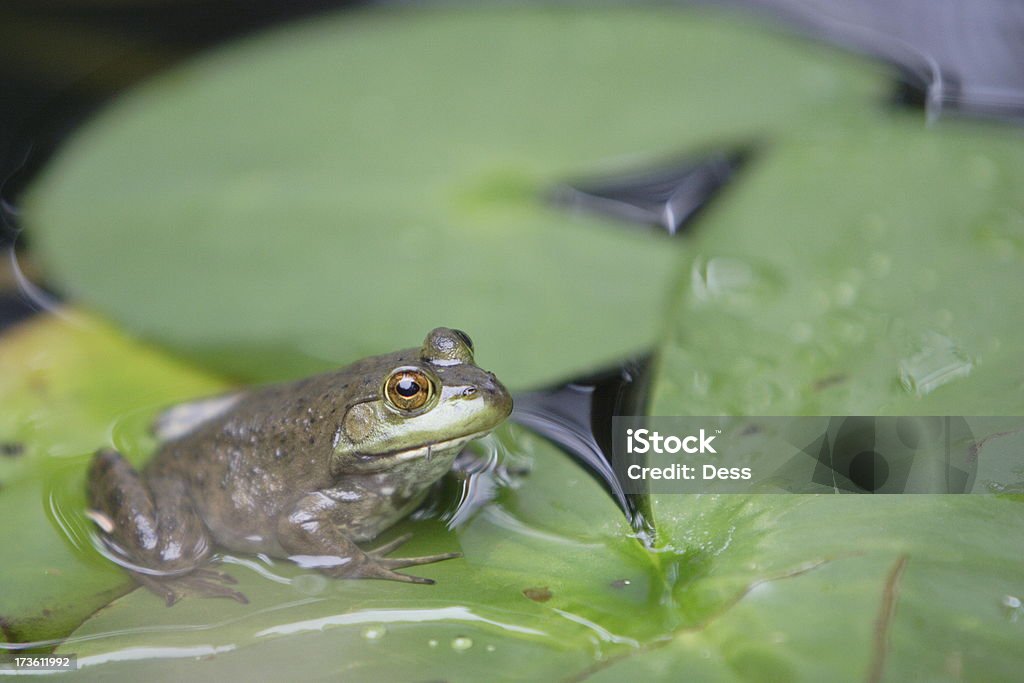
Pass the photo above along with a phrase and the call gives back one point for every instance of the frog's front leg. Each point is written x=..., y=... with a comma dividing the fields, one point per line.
x=153, y=530
x=309, y=530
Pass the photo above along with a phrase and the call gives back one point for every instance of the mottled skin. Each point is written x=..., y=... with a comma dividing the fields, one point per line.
x=304, y=470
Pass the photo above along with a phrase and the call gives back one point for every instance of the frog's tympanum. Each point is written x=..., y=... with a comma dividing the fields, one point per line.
x=304, y=470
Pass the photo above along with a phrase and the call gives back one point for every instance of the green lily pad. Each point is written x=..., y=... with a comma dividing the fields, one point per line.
x=842, y=587
x=309, y=197
x=868, y=269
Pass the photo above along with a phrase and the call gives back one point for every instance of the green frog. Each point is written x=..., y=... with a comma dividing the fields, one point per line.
x=305, y=470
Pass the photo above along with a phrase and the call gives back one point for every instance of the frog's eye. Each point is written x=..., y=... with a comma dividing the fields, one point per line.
x=408, y=389
x=465, y=338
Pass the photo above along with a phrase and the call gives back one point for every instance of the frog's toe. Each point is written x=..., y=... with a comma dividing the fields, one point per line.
x=379, y=571
x=161, y=588
x=214, y=575
x=402, y=562
x=213, y=588
x=202, y=582
x=378, y=555
x=392, y=545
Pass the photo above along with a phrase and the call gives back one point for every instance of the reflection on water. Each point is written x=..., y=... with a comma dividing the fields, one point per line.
x=477, y=476
x=577, y=417
x=666, y=196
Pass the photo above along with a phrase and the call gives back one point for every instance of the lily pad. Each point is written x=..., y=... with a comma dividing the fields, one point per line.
x=867, y=269
x=309, y=197
x=842, y=587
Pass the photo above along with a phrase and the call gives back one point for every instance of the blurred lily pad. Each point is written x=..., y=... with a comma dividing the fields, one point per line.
x=321, y=192
x=869, y=268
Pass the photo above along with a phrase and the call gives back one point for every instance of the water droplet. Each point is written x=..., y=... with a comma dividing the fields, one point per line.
x=1012, y=606
x=719, y=277
x=462, y=643
x=845, y=293
x=938, y=361
x=701, y=383
x=431, y=643
x=374, y=632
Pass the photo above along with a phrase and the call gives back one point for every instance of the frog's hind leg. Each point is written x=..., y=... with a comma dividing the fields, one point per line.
x=308, y=533
x=152, y=529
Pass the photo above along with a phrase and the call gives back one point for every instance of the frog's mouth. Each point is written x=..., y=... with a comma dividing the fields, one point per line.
x=437, y=448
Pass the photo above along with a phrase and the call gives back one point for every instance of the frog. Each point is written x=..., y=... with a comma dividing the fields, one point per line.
x=310, y=470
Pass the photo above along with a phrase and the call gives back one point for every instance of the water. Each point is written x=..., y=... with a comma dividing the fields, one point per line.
x=937, y=360
x=666, y=196
x=577, y=417
x=462, y=643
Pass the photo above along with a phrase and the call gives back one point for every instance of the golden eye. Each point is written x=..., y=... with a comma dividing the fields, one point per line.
x=408, y=389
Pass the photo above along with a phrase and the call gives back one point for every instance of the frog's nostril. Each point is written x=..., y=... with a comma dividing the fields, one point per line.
x=469, y=391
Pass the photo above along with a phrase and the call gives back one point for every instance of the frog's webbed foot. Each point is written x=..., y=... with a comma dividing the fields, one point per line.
x=151, y=524
x=202, y=582
x=374, y=565
x=376, y=557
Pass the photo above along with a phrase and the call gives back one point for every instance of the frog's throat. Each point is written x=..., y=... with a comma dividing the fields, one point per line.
x=441, y=447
